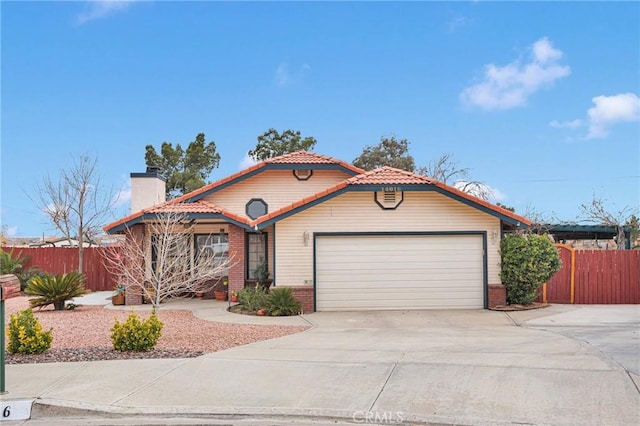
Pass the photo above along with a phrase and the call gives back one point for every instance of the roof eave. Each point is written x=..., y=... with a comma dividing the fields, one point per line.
x=190, y=216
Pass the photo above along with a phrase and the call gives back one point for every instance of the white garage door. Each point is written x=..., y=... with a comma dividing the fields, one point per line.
x=399, y=272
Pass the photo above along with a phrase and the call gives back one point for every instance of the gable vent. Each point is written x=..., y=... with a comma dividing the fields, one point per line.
x=389, y=197
x=388, y=200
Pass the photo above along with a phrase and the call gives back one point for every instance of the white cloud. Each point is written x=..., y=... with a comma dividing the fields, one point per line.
x=101, y=9
x=510, y=86
x=284, y=77
x=606, y=112
x=246, y=162
x=456, y=23
x=123, y=196
x=609, y=110
x=573, y=124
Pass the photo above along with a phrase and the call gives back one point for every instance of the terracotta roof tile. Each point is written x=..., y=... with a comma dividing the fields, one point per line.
x=197, y=207
x=306, y=157
x=200, y=206
x=381, y=176
x=484, y=203
x=298, y=157
x=389, y=176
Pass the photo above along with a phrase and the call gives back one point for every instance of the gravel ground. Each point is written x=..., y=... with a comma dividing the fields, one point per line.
x=83, y=334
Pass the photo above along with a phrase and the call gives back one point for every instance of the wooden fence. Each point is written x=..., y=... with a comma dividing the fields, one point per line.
x=60, y=260
x=595, y=277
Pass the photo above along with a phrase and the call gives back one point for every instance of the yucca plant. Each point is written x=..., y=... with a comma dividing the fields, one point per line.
x=55, y=289
x=282, y=303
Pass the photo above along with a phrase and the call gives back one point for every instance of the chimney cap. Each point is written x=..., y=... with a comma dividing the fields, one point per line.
x=152, y=172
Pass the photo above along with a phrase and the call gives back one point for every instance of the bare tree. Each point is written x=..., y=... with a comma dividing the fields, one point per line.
x=76, y=203
x=164, y=264
x=597, y=212
x=448, y=171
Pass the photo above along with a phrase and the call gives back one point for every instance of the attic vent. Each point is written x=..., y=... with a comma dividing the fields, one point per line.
x=389, y=197
x=303, y=174
x=388, y=200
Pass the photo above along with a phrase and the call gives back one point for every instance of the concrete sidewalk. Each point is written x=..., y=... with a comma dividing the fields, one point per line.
x=412, y=367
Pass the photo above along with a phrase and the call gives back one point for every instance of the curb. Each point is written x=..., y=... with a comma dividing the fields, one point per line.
x=58, y=409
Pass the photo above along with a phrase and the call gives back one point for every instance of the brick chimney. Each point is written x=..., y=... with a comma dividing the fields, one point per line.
x=147, y=189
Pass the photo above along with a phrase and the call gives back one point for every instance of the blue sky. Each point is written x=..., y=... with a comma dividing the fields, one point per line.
x=539, y=100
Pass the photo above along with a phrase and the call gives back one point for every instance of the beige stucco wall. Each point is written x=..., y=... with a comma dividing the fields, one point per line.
x=146, y=191
x=357, y=212
x=262, y=185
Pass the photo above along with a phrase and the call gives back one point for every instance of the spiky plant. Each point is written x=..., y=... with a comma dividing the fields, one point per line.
x=282, y=303
x=55, y=289
x=11, y=263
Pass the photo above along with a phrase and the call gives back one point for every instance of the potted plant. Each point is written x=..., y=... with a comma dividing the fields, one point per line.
x=261, y=274
x=222, y=294
x=117, y=298
x=234, y=296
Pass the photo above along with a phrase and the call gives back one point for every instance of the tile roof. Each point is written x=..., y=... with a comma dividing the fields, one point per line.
x=381, y=176
x=389, y=176
x=201, y=206
x=196, y=207
x=298, y=157
x=306, y=157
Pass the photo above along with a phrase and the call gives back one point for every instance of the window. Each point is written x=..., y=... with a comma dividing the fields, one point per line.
x=170, y=254
x=256, y=207
x=256, y=252
x=215, y=246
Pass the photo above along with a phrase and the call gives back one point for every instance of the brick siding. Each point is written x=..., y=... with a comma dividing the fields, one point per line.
x=497, y=295
x=304, y=295
x=236, y=254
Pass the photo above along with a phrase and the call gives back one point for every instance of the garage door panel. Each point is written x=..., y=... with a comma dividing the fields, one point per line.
x=398, y=283
x=406, y=304
x=399, y=272
x=434, y=293
x=390, y=274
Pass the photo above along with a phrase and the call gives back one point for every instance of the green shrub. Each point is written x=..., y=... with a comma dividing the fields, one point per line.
x=55, y=289
x=253, y=298
x=527, y=262
x=25, y=275
x=136, y=335
x=10, y=263
x=26, y=335
x=281, y=302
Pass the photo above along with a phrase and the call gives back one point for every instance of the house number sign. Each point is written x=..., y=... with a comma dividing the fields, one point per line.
x=15, y=410
x=391, y=189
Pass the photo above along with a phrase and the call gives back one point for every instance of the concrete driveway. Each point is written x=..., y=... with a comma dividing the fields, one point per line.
x=446, y=367
x=612, y=329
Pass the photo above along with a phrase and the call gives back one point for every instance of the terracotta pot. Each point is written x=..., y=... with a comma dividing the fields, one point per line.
x=220, y=295
x=234, y=298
